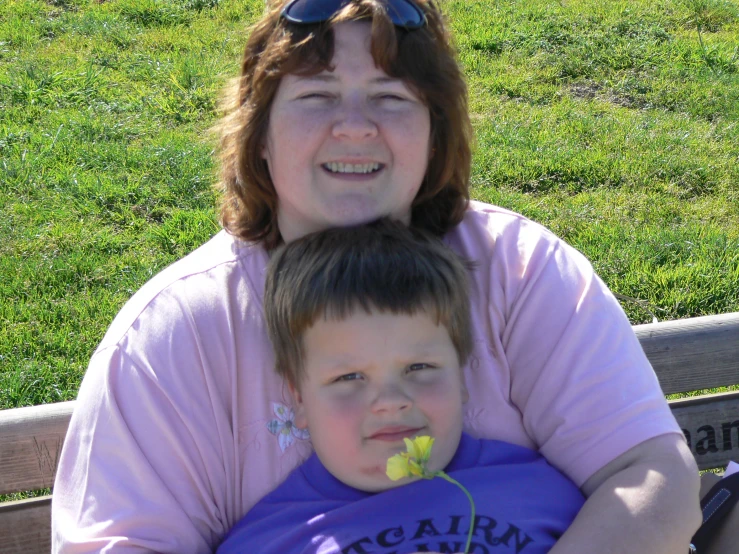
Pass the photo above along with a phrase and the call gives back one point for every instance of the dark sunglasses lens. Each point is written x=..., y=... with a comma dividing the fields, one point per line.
x=402, y=13
x=312, y=11
x=405, y=14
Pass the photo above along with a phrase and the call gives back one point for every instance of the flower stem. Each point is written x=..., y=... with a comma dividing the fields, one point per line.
x=472, y=506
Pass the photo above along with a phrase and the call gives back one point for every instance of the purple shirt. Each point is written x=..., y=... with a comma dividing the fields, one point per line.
x=523, y=506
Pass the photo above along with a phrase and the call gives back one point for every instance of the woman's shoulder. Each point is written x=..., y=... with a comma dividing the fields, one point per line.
x=485, y=226
x=505, y=241
x=223, y=271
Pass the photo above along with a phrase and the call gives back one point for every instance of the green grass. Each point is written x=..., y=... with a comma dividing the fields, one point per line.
x=613, y=123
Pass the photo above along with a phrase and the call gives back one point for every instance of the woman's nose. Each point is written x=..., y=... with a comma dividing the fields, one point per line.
x=354, y=122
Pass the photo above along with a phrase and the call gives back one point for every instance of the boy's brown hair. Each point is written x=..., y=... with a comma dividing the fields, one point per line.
x=383, y=266
x=424, y=58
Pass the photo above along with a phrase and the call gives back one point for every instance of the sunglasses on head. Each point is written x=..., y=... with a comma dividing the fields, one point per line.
x=403, y=13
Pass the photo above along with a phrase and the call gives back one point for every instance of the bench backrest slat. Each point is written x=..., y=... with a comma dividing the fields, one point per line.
x=711, y=425
x=693, y=354
x=25, y=526
x=30, y=443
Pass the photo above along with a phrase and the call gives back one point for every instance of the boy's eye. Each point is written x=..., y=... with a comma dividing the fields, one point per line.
x=348, y=377
x=419, y=366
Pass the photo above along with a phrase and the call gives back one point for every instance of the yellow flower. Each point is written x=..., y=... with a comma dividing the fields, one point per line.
x=397, y=467
x=411, y=463
x=419, y=448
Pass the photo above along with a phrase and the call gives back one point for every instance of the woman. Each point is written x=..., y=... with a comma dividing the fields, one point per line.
x=182, y=425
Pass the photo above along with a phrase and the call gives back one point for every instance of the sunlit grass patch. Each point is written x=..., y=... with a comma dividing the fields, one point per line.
x=615, y=124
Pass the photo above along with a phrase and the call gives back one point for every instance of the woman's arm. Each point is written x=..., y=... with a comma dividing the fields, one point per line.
x=139, y=471
x=587, y=395
x=648, y=497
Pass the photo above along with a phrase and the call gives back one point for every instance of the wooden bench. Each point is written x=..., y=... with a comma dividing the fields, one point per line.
x=687, y=355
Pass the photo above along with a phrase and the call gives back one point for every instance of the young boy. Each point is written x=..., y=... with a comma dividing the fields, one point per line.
x=370, y=328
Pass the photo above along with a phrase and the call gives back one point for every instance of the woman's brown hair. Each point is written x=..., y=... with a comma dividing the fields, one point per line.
x=423, y=58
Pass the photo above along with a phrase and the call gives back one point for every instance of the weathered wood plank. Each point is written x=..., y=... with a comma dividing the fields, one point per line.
x=30, y=443
x=711, y=425
x=25, y=526
x=693, y=354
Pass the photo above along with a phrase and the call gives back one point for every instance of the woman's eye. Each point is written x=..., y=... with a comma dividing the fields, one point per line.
x=315, y=95
x=391, y=97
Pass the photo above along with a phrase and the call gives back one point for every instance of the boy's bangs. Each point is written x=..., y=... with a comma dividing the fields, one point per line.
x=338, y=309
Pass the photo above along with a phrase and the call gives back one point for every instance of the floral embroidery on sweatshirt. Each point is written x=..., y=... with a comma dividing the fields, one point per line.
x=284, y=426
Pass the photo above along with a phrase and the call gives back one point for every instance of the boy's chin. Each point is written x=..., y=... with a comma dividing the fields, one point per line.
x=388, y=484
x=375, y=480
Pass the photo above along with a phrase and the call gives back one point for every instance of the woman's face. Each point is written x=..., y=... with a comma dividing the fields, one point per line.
x=347, y=146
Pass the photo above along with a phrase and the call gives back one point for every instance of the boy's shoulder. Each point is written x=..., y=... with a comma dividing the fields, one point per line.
x=307, y=491
x=310, y=482
x=474, y=452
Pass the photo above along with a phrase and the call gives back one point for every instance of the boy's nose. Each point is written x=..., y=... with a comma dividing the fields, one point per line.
x=391, y=398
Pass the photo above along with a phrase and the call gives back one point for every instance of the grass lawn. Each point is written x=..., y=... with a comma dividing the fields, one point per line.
x=613, y=123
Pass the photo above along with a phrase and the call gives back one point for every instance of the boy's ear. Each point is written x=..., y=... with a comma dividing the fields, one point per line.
x=300, y=421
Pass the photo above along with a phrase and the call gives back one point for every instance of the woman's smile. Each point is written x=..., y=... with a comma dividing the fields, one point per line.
x=353, y=170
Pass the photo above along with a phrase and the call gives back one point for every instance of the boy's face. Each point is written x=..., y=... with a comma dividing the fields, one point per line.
x=371, y=380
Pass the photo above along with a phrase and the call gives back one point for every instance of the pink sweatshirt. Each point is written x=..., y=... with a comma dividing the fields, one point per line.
x=181, y=424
